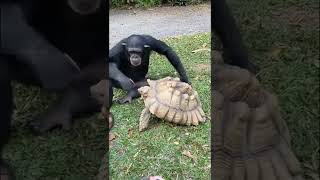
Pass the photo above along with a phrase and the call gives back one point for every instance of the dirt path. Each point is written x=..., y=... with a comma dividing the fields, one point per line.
x=159, y=22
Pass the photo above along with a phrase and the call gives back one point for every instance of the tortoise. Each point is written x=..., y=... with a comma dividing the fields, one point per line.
x=250, y=138
x=171, y=100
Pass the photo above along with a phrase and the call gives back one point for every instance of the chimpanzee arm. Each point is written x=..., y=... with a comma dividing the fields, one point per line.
x=225, y=27
x=162, y=48
x=6, y=103
x=116, y=75
x=115, y=51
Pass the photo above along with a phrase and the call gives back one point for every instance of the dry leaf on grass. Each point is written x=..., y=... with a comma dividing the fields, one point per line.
x=201, y=49
x=204, y=45
x=112, y=137
x=188, y=154
x=130, y=132
x=274, y=53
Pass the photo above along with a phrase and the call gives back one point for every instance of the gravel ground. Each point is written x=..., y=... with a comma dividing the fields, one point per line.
x=159, y=22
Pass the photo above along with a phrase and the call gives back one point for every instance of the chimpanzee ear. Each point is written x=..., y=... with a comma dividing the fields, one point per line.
x=146, y=46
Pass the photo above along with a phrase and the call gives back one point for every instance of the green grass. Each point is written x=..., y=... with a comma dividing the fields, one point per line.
x=77, y=154
x=73, y=155
x=158, y=150
x=283, y=39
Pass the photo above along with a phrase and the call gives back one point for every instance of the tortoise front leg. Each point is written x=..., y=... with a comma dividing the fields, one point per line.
x=144, y=119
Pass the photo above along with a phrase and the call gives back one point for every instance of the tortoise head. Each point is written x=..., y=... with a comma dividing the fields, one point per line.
x=144, y=91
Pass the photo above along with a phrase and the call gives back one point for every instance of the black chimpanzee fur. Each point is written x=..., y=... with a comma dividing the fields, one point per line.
x=59, y=45
x=225, y=28
x=129, y=62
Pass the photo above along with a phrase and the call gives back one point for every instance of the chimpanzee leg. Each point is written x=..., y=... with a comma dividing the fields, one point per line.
x=76, y=99
x=133, y=93
x=6, y=102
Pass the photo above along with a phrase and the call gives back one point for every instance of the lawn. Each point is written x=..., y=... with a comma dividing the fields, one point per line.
x=160, y=149
x=283, y=39
x=73, y=155
x=77, y=154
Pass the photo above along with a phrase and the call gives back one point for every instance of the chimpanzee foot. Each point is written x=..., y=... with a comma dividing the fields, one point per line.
x=126, y=99
x=50, y=120
x=5, y=172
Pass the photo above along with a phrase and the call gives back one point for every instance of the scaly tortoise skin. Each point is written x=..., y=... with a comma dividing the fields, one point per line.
x=171, y=100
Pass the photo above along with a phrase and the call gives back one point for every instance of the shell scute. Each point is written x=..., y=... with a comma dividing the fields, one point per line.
x=174, y=101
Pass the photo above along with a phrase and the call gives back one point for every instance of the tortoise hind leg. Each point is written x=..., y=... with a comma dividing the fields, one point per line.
x=144, y=119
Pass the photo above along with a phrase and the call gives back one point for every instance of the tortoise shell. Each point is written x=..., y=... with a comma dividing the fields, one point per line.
x=173, y=100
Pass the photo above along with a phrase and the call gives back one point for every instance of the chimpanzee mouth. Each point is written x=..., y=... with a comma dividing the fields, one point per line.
x=135, y=63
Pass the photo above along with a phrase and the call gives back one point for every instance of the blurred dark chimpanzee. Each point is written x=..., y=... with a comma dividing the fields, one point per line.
x=129, y=63
x=225, y=28
x=59, y=45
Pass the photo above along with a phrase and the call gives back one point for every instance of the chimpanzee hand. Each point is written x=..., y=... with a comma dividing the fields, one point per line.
x=116, y=75
x=126, y=84
x=186, y=80
x=125, y=99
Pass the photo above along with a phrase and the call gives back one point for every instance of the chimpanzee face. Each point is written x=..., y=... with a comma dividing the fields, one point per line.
x=135, y=53
x=84, y=7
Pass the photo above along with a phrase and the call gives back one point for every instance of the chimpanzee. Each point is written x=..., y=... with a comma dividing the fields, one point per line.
x=129, y=63
x=225, y=28
x=59, y=45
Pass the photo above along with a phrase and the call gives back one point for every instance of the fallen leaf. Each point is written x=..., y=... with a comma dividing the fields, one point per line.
x=130, y=132
x=296, y=19
x=188, y=154
x=112, y=137
x=199, y=50
x=275, y=52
